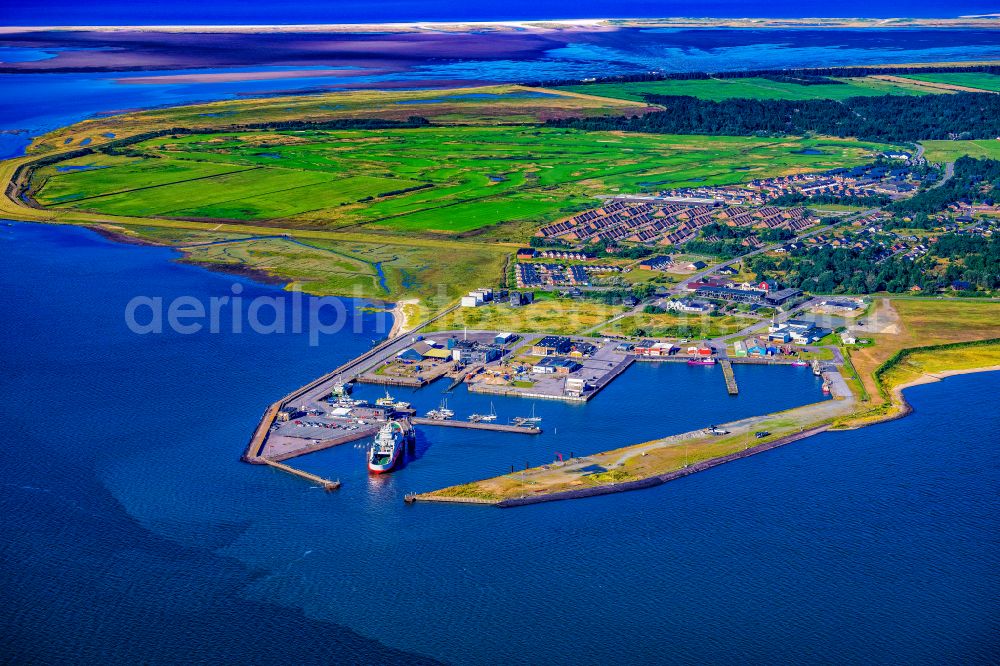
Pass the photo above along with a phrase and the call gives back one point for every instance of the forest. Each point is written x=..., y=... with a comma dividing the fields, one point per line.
x=886, y=118
x=973, y=180
x=832, y=270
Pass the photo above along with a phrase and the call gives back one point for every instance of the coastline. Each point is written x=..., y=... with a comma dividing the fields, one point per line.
x=905, y=408
x=400, y=320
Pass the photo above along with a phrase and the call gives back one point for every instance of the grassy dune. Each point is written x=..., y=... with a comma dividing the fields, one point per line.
x=753, y=88
x=912, y=323
x=483, y=105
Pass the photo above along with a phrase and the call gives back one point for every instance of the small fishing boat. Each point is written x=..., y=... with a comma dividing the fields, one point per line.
x=701, y=361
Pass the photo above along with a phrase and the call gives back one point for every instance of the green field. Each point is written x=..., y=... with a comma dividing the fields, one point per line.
x=979, y=80
x=754, y=88
x=437, y=179
x=949, y=151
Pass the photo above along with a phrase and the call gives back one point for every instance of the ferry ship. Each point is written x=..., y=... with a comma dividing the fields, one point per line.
x=701, y=361
x=387, y=450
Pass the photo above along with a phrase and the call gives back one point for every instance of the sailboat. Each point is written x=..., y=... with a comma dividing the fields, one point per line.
x=485, y=418
x=528, y=420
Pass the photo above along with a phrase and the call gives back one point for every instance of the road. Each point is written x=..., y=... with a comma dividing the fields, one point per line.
x=949, y=171
x=682, y=285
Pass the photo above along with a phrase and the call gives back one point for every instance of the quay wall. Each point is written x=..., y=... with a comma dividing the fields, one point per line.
x=255, y=447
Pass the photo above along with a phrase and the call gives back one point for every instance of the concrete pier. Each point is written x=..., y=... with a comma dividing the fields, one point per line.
x=325, y=484
x=495, y=427
x=727, y=372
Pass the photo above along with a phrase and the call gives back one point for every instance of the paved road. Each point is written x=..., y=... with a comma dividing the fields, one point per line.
x=949, y=171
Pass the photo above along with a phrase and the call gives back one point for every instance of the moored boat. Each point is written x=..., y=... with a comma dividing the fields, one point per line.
x=799, y=363
x=701, y=361
x=387, y=450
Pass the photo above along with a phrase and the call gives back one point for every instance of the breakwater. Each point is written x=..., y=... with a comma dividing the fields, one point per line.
x=625, y=486
x=473, y=425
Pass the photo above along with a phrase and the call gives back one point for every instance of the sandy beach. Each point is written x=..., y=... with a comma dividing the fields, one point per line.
x=400, y=321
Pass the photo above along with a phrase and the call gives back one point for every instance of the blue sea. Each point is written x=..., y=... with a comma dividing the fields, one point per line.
x=133, y=534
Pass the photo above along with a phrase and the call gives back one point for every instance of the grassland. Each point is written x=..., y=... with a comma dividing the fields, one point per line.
x=483, y=105
x=373, y=270
x=562, y=316
x=753, y=88
x=909, y=323
x=967, y=80
x=919, y=366
x=949, y=151
x=439, y=179
x=676, y=325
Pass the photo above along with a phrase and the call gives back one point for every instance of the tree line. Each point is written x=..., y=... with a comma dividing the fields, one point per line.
x=891, y=118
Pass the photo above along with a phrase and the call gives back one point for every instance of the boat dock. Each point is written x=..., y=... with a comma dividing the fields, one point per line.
x=474, y=425
x=325, y=484
x=727, y=372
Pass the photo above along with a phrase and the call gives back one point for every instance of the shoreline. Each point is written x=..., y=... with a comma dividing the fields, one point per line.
x=400, y=320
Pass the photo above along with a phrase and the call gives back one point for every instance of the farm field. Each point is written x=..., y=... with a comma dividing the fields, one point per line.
x=438, y=179
x=754, y=88
x=977, y=80
x=949, y=151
